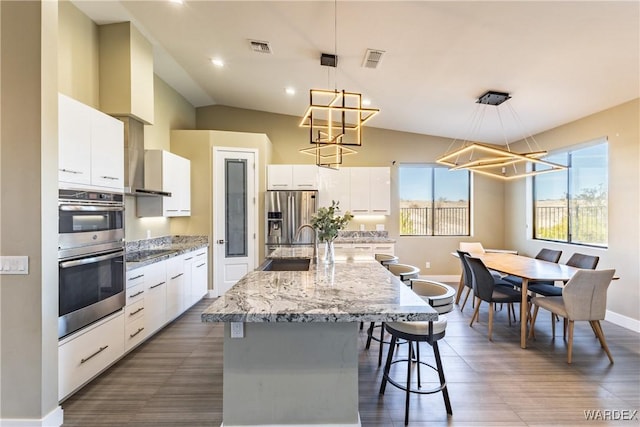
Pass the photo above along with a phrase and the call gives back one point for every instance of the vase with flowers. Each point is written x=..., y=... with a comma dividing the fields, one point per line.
x=327, y=225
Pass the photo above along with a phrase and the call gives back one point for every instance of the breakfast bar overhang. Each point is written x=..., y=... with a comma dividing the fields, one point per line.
x=297, y=360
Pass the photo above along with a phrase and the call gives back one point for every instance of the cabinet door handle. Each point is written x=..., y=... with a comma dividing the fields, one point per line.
x=136, y=332
x=201, y=253
x=155, y=286
x=175, y=277
x=86, y=359
x=360, y=210
x=136, y=294
x=305, y=185
x=71, y=171
x=172, y=210
x=198, y=266
x=113, y=178
x=187, y=259
x=380, y=210
x=136, y=312
x=280, y=185
x=136, y=277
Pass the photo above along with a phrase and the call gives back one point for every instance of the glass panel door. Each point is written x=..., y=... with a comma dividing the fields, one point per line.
x=236, y=208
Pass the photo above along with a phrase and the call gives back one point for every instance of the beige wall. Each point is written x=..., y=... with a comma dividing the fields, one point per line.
x=621, y=126
x=380, y=147
x=28, y=210
x=78, y=55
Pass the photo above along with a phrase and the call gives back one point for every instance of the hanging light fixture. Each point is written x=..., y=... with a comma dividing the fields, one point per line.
x=494, y=161
x=334, y=118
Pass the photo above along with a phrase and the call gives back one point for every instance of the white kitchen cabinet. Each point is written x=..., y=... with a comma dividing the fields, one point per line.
x=134, y=310
x=334, y=184
x=292, y=177
x=359, y=190
x=379, y=191
x=85, y=354
x=363, y=250
x=90, y=147
x=155, y=285
x=175, y=287
x=168, y=172
x=199, y=275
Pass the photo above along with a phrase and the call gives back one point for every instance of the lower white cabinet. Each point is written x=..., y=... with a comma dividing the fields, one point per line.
x=155, y=295
x=199, y=275
x=175, y=287
x=84, y=355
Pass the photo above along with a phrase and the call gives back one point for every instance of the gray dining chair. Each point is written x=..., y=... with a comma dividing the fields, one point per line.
x=584, y=298
x=485, y=289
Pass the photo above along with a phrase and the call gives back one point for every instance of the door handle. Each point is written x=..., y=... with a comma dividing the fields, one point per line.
x=220, y=242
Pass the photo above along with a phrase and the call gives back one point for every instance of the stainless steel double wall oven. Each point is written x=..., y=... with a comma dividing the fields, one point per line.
x=90, y=257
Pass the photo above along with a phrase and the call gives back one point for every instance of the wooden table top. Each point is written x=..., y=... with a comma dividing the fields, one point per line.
x=525, y=267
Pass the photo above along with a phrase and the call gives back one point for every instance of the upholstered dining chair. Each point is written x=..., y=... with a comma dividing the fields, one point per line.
x=485, y=289
x=548, y=289
x=584, y=297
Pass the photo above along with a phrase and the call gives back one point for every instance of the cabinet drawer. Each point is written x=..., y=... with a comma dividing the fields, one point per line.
x=135, y=277
x=83, y=356
x=387, y=249
x=134, y=333
x=134, y=311
x=135, y=293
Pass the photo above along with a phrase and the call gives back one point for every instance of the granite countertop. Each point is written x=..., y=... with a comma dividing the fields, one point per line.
x=140, y=253
x=346, y=291
x=347, y=236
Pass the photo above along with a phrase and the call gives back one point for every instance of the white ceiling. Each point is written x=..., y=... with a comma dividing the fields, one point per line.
x=560, y=61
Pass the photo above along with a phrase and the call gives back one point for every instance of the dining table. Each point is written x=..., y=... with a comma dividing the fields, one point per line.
x=529, y=269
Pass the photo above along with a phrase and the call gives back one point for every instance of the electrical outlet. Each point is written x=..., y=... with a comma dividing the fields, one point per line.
x=237, y=330
x=427, y=264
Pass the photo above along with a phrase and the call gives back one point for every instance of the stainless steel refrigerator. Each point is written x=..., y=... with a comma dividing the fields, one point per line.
x=285, y=212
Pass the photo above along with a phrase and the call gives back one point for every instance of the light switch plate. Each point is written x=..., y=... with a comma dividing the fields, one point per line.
x=14, y=265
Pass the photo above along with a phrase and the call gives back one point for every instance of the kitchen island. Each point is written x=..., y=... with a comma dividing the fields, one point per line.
x=295, y=360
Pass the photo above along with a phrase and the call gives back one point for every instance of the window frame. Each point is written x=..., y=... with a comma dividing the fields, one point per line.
x=432, y=215
x=570, y=196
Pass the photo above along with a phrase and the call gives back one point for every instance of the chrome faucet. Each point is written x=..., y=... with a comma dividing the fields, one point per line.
x=314, y=260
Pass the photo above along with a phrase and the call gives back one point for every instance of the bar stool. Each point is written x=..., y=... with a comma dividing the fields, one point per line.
x=440, y=296
x=405, y=272
x=386, y=259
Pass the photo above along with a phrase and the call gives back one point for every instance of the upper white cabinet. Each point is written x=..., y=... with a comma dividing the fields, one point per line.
x=90, y=146
x=362, y=190
x=292, y=177
x=334, y=184
x=166, y=171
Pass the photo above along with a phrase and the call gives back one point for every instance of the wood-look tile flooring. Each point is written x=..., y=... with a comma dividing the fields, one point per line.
x=175, y=379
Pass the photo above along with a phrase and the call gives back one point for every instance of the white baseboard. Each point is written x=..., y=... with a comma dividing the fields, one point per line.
x=54, y=418
x=624, y=321
x=211, y=294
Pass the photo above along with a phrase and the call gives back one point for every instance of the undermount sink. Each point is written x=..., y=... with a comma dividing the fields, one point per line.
x=282, y=264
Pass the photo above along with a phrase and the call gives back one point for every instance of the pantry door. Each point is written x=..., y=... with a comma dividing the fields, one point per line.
x=235, y=215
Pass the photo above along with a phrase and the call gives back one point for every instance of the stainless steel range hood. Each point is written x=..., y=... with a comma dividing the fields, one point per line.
x=134, y=160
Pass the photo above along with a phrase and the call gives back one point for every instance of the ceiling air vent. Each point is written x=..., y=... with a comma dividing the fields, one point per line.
x=260, y=46
x=372, y=58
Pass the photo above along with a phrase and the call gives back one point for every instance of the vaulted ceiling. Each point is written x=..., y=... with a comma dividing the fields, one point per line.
x=559, y=60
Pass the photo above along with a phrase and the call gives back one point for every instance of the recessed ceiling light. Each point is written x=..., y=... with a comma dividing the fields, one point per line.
x=366, y=102
x=217, y=62
x=177, y=1
x=290, y=91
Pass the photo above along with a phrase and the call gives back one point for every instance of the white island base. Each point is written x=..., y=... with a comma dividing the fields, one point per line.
x=291, y=374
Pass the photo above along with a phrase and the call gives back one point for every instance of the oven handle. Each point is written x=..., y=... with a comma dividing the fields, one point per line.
x=83, y=261
x=90, y=208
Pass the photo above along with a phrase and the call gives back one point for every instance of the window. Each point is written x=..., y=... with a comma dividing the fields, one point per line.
x=434, y=201
x=572, y=205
